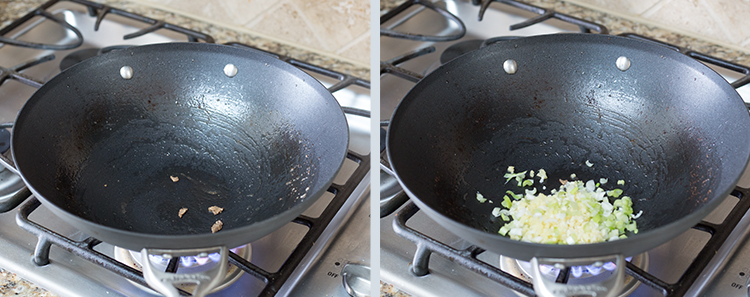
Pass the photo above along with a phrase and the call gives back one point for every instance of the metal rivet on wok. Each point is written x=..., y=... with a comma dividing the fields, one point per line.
x=510, y=66
x=126, y=72
x=230, y=70
x=623, y=63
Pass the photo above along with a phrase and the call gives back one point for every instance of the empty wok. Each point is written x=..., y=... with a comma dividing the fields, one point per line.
x=118, y=144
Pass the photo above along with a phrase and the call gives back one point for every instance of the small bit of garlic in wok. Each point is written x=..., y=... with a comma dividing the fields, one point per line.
x=182, y=211
x=174, y=178
x=481, y=198
x=217, y=226
x=215, y=209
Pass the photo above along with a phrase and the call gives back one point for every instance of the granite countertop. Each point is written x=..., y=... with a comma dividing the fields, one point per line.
x=387, y=290
x=12, y=285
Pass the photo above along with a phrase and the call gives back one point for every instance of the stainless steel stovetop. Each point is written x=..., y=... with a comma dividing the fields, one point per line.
x=726, y=275
x=345, y=240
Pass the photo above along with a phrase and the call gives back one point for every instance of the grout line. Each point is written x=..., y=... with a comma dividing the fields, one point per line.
x=262, y=15
x=659, y=3
x=354, y=42
x=745, y=42
x=654, y=8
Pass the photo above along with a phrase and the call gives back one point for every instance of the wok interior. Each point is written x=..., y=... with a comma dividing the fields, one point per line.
x=668, y=134
x=130, y=154
x=251, y=169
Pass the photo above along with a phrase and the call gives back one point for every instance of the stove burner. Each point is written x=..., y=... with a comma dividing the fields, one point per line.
x=388, y=185
x=580, y=274
x=459, y=48
x=187, y=265
x=494, y=40
x=391, y=195
x=77, y=56
x=84, y=54
x=11, y=185
x=4, y=140
x=383, y=135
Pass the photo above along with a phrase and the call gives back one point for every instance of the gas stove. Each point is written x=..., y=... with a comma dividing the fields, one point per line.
x=708, y=260
x=310, y=255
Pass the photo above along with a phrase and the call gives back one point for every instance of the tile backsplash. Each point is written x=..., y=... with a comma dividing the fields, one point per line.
x=723, y=21
x=338, y=28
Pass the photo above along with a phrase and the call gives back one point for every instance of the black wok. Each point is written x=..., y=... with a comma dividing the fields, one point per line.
x=118, y=158
x=669, y=126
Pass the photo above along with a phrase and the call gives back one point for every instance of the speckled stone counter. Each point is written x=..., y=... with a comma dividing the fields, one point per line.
x=387, y=290
x=12, y=285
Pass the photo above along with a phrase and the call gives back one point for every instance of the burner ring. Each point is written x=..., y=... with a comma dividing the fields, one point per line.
x=77, y=57
x=83, y=54
x=460, y=48
x=132, y=259
x=10, y=183
x=522, y=270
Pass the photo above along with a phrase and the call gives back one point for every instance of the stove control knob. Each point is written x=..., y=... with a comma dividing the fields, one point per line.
x=356, y=278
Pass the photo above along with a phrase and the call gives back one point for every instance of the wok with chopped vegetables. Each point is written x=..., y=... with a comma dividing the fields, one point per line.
x=666, y=140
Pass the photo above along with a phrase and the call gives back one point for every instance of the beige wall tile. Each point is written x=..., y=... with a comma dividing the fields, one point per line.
x=725, y=21
x=733, y=16
x=633, y=7
x=689, y=15
x=235, y=12
x=328, y=26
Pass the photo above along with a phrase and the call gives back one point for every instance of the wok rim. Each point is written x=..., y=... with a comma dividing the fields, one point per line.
x=231, y=237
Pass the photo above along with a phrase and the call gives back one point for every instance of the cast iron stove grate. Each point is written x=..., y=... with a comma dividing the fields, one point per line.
x=468, y=257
